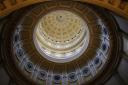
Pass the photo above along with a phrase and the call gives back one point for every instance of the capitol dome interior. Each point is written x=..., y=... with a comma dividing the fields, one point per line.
x=63, y=42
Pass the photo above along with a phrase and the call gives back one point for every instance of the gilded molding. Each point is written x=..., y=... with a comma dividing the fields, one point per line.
x=117, y=6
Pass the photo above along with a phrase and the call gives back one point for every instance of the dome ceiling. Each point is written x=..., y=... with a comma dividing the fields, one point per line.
x=61, y=36
x=61, y=43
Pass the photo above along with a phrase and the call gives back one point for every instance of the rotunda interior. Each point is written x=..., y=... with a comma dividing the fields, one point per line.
x=63, y=42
